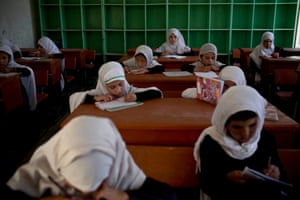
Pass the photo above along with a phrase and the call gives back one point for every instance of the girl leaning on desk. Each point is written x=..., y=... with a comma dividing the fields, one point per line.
x=112, y=84
x=8, y=65
x=48, y=49
x=207, y=60
x=142, y=62
x=86, y=160
x=235, y=140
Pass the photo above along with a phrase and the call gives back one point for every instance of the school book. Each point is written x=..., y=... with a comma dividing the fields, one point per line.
x=263, y=177
x=174, y=56
x=209, y=89
x=117, y=104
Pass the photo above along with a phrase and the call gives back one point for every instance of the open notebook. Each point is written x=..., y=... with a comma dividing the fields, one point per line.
x=117, y=104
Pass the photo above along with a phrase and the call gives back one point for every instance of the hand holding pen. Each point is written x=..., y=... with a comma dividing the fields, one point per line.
x=272, y=170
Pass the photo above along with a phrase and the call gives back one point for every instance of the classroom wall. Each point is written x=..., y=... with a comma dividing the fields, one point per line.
x=18, y=21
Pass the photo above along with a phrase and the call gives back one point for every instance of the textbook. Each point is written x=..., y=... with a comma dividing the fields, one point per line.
x=209, y=89
x=263, y=177
x=174, y=56
x=118, y=104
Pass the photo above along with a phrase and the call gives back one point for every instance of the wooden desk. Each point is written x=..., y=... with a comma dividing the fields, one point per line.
x=169, y=63
x=52, y=66
x=291, y=51
x=171, y=86
x=10, y=92
x=175, y=121
x=176, y=63
x=78, y=53
x=161, y=135
x=269, y=64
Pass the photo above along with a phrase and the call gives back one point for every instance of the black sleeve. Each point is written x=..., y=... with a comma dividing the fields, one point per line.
x=187, y=67
x=13, y=194
x=58, y=55
x=89, y=99
x=23, y=71
x=156, y=69
x=149, y=94
x=153, y=190
x=17, y=54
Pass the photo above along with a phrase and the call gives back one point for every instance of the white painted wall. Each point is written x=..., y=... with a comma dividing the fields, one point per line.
x=16, y=22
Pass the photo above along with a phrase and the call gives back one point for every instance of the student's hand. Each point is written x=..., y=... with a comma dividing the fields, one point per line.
x=237, y=176
x=6, y=69
x=164, y=53
x=108, y=193
x=34, y=54
x=272, y=171
x=141, y=71
x=104, y=98
x=130, y=97
x=275, y=55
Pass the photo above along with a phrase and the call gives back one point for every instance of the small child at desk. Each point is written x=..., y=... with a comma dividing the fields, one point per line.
x=47, y=48
x=266, y=48
x=207, y=60
x=8, y=65
x=142, y=62
x=174, y=45
x=112, y=84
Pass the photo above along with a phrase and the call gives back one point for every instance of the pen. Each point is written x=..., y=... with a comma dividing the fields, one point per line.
x=269, y=161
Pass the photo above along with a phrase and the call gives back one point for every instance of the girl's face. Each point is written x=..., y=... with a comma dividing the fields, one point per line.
x=172, y=38
x=242, y=130
x=116, y=88
x=267, y=43
x=4, y=59
x=41, y=49
x=208, y=58
x=140, y=60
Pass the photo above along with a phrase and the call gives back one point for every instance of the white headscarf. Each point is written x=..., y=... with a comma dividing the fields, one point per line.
x=261, y=50
x=48, y=45
x=233, y=73
x=179, y=47
x=5, y=41
x=235, y=99
x=28, y=82
x=147, y=52
x=206, y=48
x=107, y=73
x=85, y=152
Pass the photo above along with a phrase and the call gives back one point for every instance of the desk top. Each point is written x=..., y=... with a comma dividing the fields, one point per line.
x=169, y=121
x=159, y=78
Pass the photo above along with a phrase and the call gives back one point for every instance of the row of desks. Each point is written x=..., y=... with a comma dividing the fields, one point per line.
x=161, y=133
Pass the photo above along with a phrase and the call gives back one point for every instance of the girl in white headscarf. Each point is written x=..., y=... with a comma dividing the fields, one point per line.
x=231, y=75
x=87, y=159
x=207, y=60
x=112, y=84
x=47, y=48
x=142, y=62
x=15, y=49
x=8, y=64
x=235, y=140
x=174, y=45
x=266, y=48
